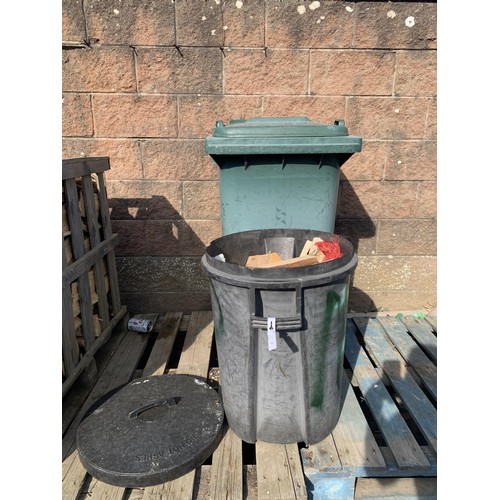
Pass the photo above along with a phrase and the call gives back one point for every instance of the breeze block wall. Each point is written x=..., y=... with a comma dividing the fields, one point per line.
x=144, y=82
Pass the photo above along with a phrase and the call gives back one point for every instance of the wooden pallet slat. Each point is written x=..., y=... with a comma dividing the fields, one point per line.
x=226, y=472
x=95, y=239
x=398, y=436
x=415, y=400
x=410, y=351
x=162, y=348
x=277, y=471
x=422, y=331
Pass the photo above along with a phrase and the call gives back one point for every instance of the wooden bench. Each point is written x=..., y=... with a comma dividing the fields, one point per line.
x=383, y=435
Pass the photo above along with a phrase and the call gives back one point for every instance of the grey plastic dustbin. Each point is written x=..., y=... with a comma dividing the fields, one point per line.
x=291, y=394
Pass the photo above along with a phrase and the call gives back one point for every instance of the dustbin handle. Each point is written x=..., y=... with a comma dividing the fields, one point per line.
x=288, y=323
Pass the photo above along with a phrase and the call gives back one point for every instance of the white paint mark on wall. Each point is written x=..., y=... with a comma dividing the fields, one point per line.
x=410, y=21
x=239, y=4
x=349, y=9
x=314, y=5
x=396, y=110
x=213, y=32
x=116, y=11
x=391, y=14
x=300, y=9
x=217, y=2
x=399, y=162
x=203, y=18
x=224, y=28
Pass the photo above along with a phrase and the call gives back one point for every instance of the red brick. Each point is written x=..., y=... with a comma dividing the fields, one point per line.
x=161, y=274
x=199, y=23
x=426, y=205
x=395, y=273
x=422, y=273
x=390, y=25
x=346, y=72
x=163, y=302
x=100, y=69
x=411, y=160
x=180, y=237
x=328, y=26
x=416, y=73
x=387, y=117
x=124, y=155
x=73, y=21
x=377, y=200
x=136, y=22
x=77, y=115
x=197, y=115
x=174, y=159
x=144, y=199
x=407, y=237
x=191, y=71
x=121, y=115
x=362, y=233
x=201, y=200
x=252, y=72
x=388, y=300
x=244, y=23
x=320, y=109
x=368, y=165
x=431, y=122
x=132, y=239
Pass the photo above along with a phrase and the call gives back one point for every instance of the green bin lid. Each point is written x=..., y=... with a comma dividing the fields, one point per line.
x=285, y=135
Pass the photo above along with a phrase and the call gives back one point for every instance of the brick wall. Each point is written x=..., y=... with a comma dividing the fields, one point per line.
x=145, y=80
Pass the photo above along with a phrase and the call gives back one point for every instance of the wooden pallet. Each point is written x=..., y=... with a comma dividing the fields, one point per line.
x=183, y=343
x=91, y=306
x=387, y=428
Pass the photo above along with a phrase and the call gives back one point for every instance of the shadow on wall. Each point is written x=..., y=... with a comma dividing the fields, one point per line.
x=158, y=257
x=355, y=224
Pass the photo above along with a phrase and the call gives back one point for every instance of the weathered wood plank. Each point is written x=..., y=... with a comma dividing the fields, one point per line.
x=194, y=360
x=95, y=239
x=178, y=489
x=82, y=265
x=78, y=245
x=353, y=438
x=278, y=476
x=432, y=320
x=89, y=355
x=321, y=457
x=77, y=167
x=104, y=491
x=164, y=342
x=415, y=400
x=398, y=436
x=108, y=234
x=422, y=332
x=195, y=355
x=70, y=349
x=404, y=488
x=410, y=351
x=118, y=372
x=226, y=471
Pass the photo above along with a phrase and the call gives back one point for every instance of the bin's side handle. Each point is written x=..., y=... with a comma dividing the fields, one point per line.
x=289, y=323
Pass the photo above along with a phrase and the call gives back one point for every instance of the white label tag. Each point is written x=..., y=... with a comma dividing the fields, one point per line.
x=271, y=334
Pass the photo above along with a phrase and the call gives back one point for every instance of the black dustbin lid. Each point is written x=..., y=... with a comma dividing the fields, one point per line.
x=151, y=431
